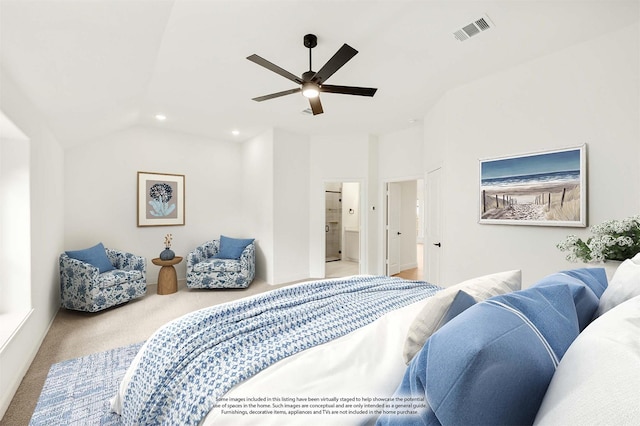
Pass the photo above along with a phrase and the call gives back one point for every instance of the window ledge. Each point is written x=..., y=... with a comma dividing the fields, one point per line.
x=10, y=323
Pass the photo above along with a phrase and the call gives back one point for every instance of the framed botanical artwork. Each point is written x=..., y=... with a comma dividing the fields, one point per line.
x=160, y=199
x=546, y=188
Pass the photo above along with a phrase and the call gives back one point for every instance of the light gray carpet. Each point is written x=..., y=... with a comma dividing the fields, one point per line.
x=77, y=334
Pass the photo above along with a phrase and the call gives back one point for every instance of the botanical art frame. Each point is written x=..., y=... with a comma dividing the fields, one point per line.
x=160, y=199
x=547, y=188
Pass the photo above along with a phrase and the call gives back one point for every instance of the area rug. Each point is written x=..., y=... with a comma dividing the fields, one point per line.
x=77, y=391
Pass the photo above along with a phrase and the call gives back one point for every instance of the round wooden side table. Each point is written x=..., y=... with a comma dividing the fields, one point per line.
x=167, y=277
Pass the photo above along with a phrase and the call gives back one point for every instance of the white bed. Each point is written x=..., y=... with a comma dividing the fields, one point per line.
x=362, y=368
x=354, y=365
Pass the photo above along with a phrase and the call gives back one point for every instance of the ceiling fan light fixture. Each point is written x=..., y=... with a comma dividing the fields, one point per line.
x=310, y=90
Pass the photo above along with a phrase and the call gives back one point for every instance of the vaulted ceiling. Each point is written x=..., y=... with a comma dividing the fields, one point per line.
x=98, y=66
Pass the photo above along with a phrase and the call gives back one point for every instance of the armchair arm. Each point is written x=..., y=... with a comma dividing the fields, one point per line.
x=248, y=258
x=127, y=261
x=77, y=280
x=203, y=252
x=77, y=269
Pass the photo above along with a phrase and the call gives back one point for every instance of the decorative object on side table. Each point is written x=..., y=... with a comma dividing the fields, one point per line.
x=612, y=240
x=167, y=253
x=167, y=277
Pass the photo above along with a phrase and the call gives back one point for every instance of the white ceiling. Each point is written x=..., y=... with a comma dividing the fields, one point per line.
x=98, y=66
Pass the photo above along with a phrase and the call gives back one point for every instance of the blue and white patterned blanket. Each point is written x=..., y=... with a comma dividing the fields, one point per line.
x=191, y=362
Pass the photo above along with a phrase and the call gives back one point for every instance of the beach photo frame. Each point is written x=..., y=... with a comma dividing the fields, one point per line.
x=160, y=199
x=545, y=188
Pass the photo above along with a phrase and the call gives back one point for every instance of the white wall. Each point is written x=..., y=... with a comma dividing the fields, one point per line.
x=401, y=154
x=350, y=201
x=350, y=232
x=291, y=207
x=276, y=203
x=588, y=93
x=46, y=163
x=101, y=190
x=15, y=229
x=257, y=206
x=372, y=213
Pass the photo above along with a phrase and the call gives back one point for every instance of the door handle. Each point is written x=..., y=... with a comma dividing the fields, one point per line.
x=437, y=244
x=399, y=233
x=326, y=228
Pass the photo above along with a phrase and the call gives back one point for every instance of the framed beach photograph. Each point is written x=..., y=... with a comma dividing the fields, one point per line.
x=543, y=188
x=160, y=199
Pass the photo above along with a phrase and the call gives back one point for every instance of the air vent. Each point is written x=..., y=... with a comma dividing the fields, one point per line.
x=476, y=27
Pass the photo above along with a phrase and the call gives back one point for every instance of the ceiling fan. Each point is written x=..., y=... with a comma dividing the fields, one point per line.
x=311, y=82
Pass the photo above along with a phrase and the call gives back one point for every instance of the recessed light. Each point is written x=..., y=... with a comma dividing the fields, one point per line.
x=235, y=132
x=161, y=117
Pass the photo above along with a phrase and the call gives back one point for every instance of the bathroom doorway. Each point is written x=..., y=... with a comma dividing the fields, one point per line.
x=333, y=222
x=342, y=229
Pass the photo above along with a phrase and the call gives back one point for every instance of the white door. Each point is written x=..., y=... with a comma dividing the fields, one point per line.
x=394, y=198
x=433, y=243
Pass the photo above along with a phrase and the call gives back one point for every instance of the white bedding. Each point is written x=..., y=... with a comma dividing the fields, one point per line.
x=366, y=363
x=598, y=379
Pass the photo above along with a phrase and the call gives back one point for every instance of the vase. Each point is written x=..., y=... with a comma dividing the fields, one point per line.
x=167, y=254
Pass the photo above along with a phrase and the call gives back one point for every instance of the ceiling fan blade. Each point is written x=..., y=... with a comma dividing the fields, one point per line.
x=316, y=105
x=341, y=57
x=276, y=95
x=273, y=67
x=348, y=90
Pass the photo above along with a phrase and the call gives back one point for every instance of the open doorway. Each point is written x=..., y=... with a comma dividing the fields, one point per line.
x=404, y=229
x=342, y=229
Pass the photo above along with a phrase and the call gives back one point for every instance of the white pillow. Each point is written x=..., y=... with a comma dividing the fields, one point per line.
x=598, y=379
x=624, y=285
x=430, y=317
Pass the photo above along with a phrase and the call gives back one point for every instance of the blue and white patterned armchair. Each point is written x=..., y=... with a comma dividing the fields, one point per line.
x=84, y=288
x=206, y=271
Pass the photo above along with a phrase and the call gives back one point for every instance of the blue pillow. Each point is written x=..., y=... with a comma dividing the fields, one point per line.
x=460, y=303
x=586, y=285
x=492, y=364
x=594, y=278
x=232, y=248
x=96, y=256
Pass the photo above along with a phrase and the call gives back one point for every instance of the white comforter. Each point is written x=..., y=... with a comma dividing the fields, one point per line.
x=366, y=364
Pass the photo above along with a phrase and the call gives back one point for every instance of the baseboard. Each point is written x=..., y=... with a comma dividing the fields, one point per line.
x=406, y=266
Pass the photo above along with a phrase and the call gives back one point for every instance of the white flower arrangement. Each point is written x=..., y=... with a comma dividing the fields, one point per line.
x=611, y=240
